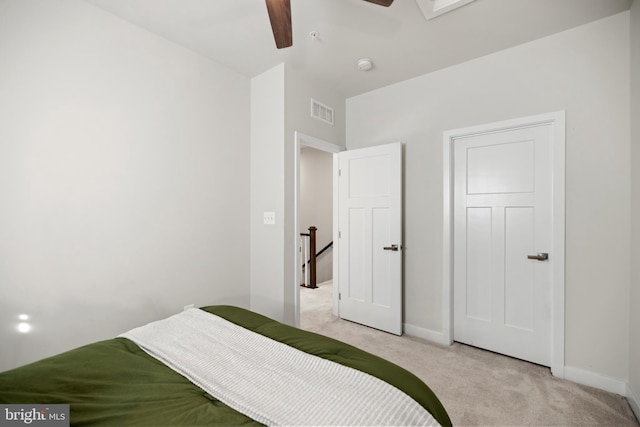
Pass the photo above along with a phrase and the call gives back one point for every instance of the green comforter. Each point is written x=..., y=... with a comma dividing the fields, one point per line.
x=116, y=383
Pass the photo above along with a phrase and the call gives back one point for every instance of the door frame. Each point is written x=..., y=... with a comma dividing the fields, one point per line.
x=557, y=121
x=303, y=140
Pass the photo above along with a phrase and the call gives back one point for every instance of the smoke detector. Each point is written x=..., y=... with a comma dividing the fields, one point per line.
x=365, y=64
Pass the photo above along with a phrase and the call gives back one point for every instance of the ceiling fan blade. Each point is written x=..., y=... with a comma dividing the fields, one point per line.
x=280, y=17
x=385, y=3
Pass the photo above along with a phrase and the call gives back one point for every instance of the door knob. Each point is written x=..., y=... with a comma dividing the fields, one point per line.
x=391, y=248
x=540, y=257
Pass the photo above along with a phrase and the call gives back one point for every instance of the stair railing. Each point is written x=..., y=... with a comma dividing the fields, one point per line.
x=308, y=250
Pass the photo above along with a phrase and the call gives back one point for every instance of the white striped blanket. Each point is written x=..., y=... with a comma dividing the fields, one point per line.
x=270, y=381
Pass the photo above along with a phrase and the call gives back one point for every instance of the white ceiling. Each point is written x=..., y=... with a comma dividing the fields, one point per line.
x=401, y=42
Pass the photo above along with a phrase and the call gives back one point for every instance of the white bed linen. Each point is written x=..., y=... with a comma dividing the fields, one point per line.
x=271, y=382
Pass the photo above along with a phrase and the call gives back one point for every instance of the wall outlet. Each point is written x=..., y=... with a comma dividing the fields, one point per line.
x=188, y=306
x=269, y=218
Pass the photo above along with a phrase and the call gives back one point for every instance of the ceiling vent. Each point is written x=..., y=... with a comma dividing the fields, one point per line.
x=434, y=8
x=321, y=112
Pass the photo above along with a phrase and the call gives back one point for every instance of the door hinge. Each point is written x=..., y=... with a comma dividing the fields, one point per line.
x=339, y=172
x=339, y=296
x=339, y=234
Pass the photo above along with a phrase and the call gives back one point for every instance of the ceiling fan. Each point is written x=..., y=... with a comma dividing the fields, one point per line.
x=280, y=17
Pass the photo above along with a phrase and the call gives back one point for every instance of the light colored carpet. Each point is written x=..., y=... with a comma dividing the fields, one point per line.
x=476, y=387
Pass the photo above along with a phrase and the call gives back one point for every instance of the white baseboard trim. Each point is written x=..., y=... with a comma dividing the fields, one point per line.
x=426, y=334
x=577, y=375
x=603, y=382
x=633, y=400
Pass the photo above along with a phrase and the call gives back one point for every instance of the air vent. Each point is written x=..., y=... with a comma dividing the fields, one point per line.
x=321, y=112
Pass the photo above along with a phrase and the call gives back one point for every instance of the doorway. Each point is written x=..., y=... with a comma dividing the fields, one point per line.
x=503, y=240
x=314, y=173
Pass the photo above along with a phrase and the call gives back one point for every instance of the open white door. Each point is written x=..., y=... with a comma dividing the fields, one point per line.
x=370, y=233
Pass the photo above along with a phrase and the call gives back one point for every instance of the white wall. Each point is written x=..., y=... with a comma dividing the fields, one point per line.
x=300, y=88
x=267, y=192
x=584, y=71
x=286, y=92
x=634, y=329
x=316, y=204
x=124, y=181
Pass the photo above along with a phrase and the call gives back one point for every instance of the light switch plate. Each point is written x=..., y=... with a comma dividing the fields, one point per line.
x=269, y=218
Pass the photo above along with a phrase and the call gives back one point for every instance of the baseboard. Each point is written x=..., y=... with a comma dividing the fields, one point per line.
x=633, y=400
x=603, y=382
x=426, y=334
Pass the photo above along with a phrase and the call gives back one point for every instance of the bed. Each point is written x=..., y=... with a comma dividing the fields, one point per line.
x=134, y=380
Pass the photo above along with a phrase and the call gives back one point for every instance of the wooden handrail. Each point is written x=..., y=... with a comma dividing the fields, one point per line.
x=320, y=252
x=323, y=250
